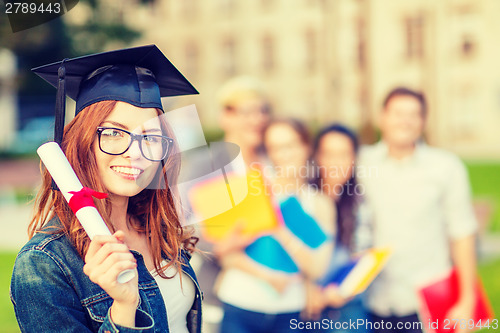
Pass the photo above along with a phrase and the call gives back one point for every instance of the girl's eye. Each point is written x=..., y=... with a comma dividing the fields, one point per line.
x=112, y=133
x=151, y=139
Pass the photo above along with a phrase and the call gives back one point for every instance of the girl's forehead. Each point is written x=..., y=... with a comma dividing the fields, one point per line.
x=131, y=117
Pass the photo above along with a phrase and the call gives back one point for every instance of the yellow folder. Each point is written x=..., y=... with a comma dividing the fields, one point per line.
x=222, y=205
x=367, y=267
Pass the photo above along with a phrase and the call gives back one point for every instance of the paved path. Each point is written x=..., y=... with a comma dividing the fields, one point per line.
x=14, y=221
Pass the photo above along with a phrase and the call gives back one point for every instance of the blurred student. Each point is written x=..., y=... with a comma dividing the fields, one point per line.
x=245, y=112
x=334, y=152
x=420, y=205
x=259, y=298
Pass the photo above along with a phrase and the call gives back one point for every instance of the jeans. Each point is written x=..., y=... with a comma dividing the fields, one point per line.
x=340, y=320
x=237, y=320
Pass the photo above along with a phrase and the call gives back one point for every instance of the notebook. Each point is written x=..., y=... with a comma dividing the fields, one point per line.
x=438, y=297
x=226, y=201
x=356, y=275
x=267, y=251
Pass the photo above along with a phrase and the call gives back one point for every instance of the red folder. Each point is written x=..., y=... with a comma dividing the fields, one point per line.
x=439, y=297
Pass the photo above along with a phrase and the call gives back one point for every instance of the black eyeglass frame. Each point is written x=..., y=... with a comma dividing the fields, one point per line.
x=135, y=137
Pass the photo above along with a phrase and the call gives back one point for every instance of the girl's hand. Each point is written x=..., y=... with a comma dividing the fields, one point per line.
x=333, y=297
x=462, y=312
x=234, y=241
x=315, y=302
x=106, y=258
x=279, y=281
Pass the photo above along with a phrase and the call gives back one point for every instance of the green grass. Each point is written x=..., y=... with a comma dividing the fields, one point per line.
x=485, y=183
x=489, y=273
x=8, y=321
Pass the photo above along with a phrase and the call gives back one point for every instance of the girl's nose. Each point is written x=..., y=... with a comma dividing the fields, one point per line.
x=134, y=151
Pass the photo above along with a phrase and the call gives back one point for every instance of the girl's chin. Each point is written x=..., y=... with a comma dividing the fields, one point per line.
x=125, y=191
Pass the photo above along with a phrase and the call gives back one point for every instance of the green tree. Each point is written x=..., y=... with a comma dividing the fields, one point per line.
x=58, y=39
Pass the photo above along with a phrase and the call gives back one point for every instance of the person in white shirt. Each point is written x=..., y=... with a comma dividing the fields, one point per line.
x=418, y=199
x=245, y=112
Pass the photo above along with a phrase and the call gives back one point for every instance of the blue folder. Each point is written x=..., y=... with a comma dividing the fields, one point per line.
x=267, y=251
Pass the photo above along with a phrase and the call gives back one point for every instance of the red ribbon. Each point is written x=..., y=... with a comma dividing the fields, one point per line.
x=83, y=198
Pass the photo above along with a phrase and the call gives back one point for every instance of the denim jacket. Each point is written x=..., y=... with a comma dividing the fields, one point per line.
x=51, y=293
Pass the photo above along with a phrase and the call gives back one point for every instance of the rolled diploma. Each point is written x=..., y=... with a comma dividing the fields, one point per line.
x=63, y=174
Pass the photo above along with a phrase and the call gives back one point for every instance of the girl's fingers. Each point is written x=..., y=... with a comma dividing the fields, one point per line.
x=102, y=254
x=117, y=257
x=120, y=235
x=97, y=242
x=94, y=271
x=110, y=276
x=104, y=251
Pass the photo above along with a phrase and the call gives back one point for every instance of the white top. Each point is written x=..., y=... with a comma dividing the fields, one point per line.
x=246, y=291
x=178, y=300
x=417, y=205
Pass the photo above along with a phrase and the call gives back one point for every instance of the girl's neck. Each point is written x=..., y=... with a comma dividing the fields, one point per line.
x=289, y=185
x=333, y=190
x=119, y=207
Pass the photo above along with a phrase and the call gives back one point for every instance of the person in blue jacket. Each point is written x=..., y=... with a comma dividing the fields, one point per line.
x=118, y=144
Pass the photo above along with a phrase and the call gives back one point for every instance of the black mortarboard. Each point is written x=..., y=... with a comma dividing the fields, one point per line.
x=139, y=76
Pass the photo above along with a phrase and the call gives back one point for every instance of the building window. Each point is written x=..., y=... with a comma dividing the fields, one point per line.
x=414, y=27
x=311, y=51
x=228, y=57
x=464, y=30
x=468, y=45
x=268, y=61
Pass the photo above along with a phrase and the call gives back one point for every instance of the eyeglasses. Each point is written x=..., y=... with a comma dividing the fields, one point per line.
x=249, y=112
x=116, y=141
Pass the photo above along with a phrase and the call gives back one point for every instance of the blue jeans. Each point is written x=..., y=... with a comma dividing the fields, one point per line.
x=339, y=319
x=237, y=320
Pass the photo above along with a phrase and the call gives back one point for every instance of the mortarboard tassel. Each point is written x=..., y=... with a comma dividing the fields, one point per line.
x=60, y=105
x=60, y=111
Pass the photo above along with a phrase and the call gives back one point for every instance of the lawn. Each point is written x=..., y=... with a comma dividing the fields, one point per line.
x=485, y=183
x=8, y=321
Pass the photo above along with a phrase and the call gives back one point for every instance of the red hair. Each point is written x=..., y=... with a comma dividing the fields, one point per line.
x=154, y=210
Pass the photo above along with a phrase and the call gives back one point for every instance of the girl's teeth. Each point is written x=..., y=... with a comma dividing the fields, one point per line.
x=128, y=171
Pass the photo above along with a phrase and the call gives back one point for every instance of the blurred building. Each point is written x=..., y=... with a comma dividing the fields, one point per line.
x=334, y=60
x=8, y=103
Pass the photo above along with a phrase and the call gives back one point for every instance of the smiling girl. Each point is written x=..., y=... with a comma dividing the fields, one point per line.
x=118, y=144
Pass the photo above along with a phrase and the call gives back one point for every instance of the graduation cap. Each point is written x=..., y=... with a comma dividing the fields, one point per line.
x=139, y=76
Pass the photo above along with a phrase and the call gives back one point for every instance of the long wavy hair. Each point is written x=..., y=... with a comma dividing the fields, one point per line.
x=153, y=209
x=348, y=201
